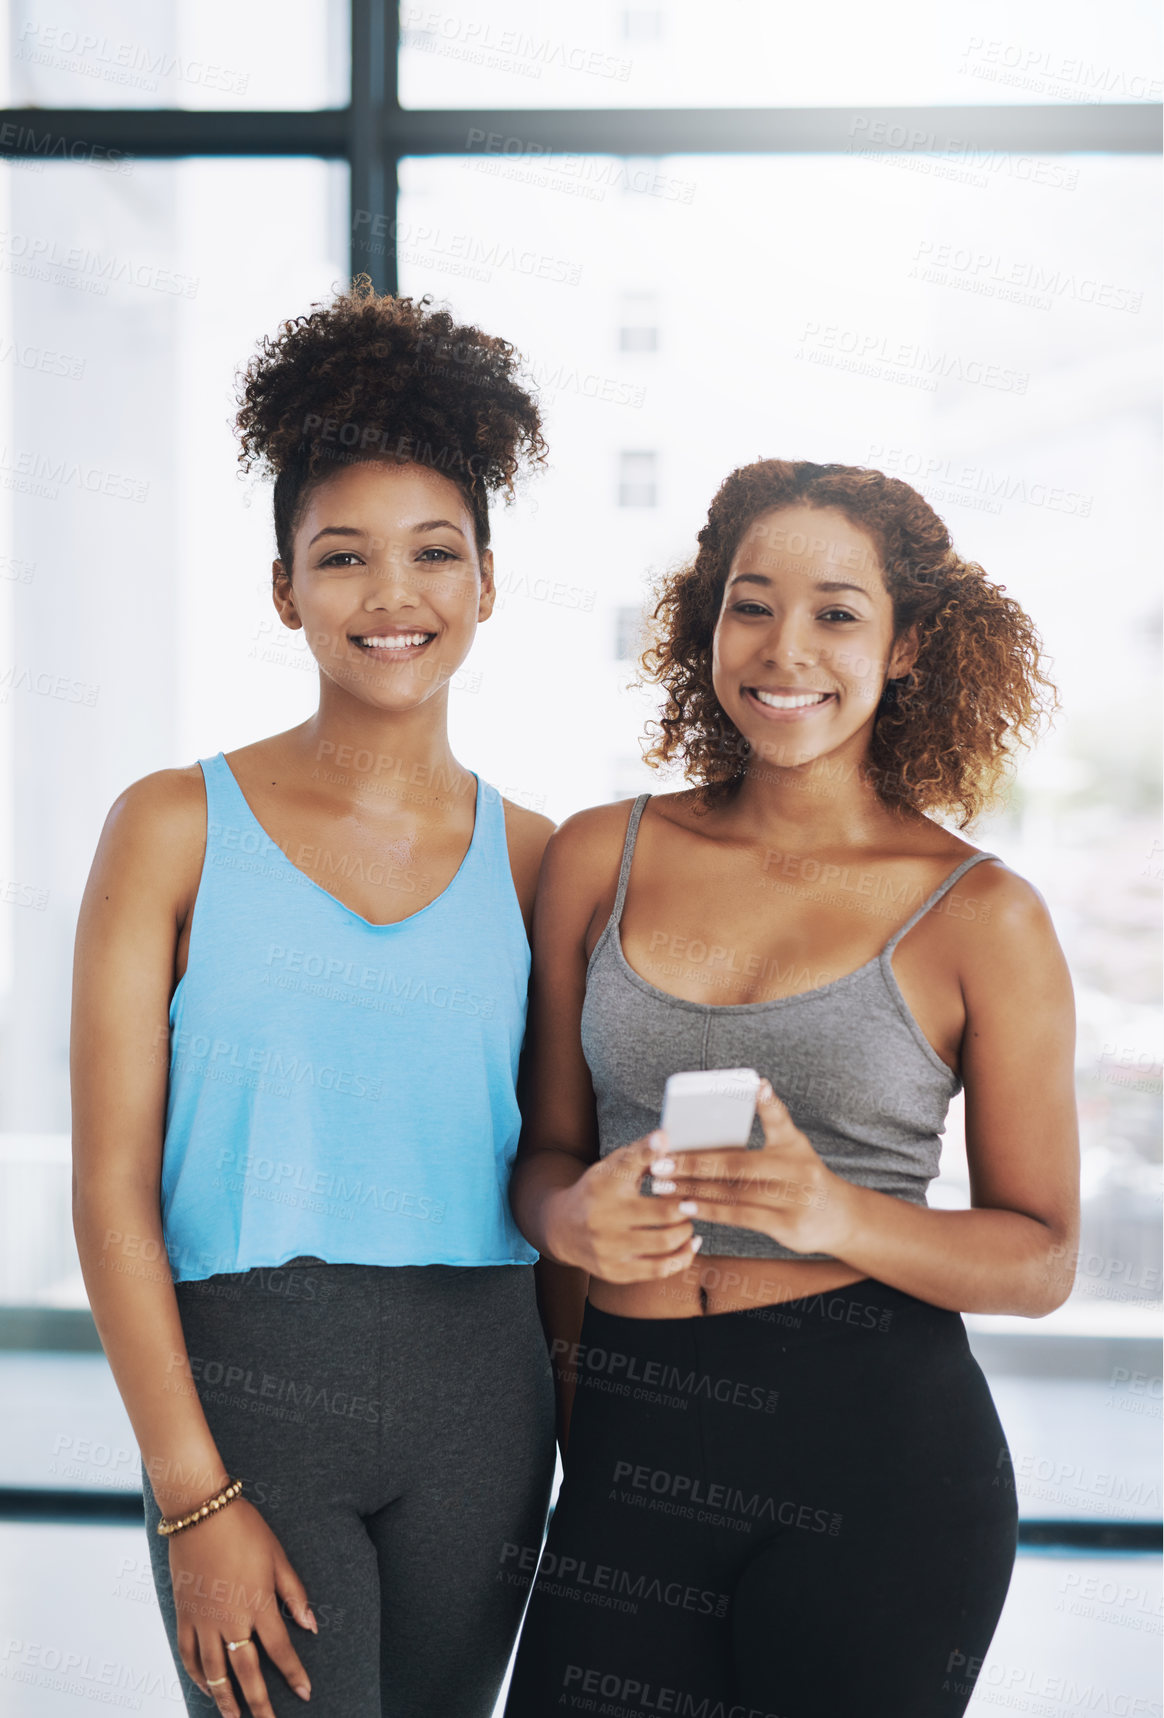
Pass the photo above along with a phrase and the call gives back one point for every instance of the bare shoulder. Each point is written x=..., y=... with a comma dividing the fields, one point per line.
x=1011, y=922
x=581, y=866
x=526, y=834
x=164, y=805
x=155, y=833
x=590, y=839
x=1012, y=901
x=526, y=831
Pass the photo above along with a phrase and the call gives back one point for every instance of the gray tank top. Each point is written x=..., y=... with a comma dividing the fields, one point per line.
x=848, y=1058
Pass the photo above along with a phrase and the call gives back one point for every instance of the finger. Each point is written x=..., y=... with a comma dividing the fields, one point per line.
x=741, y=1215
x=720, y=1163
x=244, y=1661
x=272, y=1631
x=660, y=1213
x=660, y=1243
x=216, y=1675
x=629, y=1267
x=774, y=1114
x=631, y=1162
x=672, y=1263
x=188, y=1653
x=290, y=1587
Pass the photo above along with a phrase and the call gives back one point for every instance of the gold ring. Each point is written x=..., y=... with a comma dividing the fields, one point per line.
x=233, y=1645
x=211, y=1680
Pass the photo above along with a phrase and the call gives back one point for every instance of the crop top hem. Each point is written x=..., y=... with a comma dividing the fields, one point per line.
x=318, y=1258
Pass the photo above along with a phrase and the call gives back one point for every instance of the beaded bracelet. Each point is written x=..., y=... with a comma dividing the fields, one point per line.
x=178, y=1523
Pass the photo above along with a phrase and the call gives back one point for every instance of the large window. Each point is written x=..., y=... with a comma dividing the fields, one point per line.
x=926, y=246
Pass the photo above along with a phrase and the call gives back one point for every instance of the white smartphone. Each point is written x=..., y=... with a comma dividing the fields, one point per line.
x=709, y=1107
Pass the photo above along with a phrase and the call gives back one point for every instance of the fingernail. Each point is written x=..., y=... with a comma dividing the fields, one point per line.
x=662, y=1166
x=310, y=1622
x=657, y=1140
x=664, y=1187
x=697, y=1243
x=303, y=1691
x=765, y=1090
x=688, y=1208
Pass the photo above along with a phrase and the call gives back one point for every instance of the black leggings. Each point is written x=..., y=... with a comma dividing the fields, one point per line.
x=796, y=1511
x=394, y=1424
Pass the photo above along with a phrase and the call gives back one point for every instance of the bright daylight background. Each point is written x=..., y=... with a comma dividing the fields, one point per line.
x=983, y=324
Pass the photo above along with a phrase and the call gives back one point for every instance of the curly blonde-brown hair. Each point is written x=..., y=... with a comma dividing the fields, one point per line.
x=943, y=735
x=370, y=376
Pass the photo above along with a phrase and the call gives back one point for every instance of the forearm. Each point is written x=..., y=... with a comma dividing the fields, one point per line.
x=967, y=1261
x=562, y=1303
x=131, y=1291
x=538, y=1182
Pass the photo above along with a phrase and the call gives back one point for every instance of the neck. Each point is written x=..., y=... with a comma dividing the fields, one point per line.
x=827, y=803
x=378, y=755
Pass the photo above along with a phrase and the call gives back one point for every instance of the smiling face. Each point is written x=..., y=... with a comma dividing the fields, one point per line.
x=804, y=641
x=387, y=582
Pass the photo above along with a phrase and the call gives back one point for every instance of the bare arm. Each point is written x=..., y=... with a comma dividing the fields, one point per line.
x=141, y=885
x=584, y=1214
x=122, y=978
x=561, y=1290
x=1015, y=1250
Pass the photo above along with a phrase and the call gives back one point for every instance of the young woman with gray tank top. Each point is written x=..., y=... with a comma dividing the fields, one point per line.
x=787, y=1490
x=301, y=985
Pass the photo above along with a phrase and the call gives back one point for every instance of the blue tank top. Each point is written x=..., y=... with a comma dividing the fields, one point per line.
x=338, y=1088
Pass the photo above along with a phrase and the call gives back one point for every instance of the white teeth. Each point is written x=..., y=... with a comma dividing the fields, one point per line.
x=790, y=700
x=396, y=641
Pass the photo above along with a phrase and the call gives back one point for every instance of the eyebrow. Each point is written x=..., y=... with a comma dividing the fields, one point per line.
x=819, y=584
x=432, y=524
x=354, y=531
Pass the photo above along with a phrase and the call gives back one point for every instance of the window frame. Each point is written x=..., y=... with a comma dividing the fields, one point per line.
x=373, y=134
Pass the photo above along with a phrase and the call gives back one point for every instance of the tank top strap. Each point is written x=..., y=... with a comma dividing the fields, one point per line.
x=628, y=848
x=490, y=848
x=932, y=900
x=224, y=797
x=230, y=822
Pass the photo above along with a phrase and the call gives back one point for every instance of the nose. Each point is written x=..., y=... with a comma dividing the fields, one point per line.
x=394, y=581
x=788, y=643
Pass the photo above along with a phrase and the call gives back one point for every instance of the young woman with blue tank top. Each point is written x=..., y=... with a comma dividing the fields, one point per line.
x=301, y=983
x=787, y=1490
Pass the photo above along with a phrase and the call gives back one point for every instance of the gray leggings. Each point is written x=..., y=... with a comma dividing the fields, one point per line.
x=395, y=1427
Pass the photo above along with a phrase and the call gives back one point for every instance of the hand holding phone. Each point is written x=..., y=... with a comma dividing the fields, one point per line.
x=709, y=1107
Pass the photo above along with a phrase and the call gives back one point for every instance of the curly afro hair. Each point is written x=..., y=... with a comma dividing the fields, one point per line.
x=372, y=377
x=943, y=735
